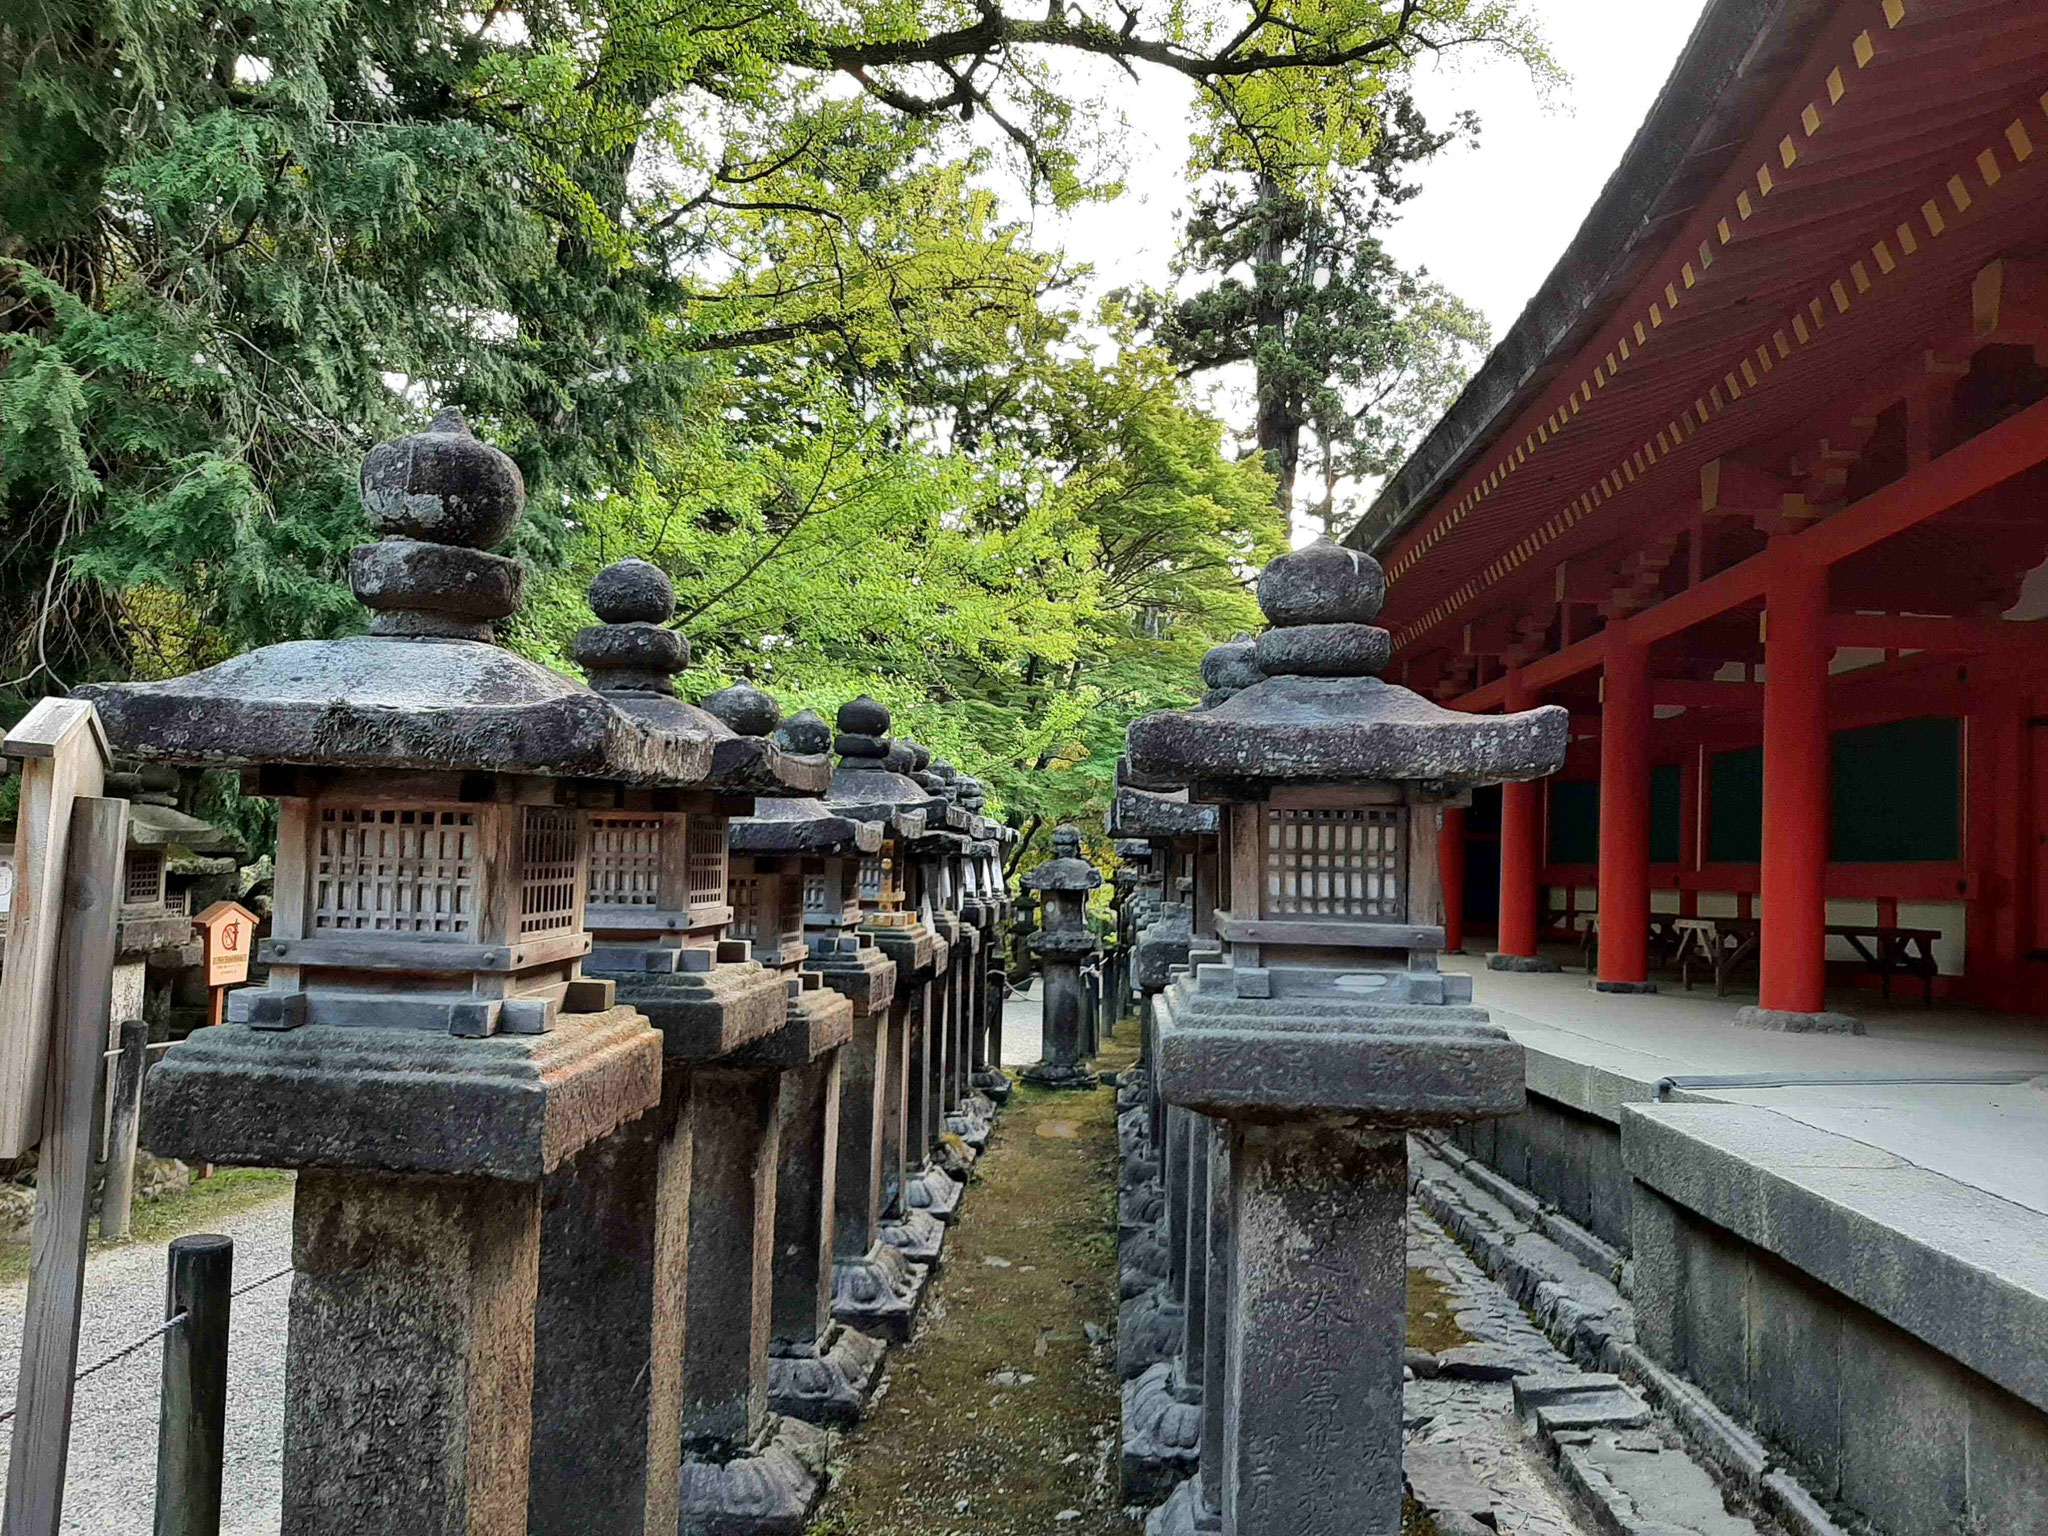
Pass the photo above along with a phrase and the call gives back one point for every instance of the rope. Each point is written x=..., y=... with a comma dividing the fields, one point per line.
x=156, y=1333
x=120, y=1354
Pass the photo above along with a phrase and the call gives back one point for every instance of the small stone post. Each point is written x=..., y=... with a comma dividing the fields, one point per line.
x=1062, y=947
x=1328, y=1032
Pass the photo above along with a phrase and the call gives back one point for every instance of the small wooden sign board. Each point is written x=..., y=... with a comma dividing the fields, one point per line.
x=229, y=929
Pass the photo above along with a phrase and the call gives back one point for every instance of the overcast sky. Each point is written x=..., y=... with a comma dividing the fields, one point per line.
x=1491, y=220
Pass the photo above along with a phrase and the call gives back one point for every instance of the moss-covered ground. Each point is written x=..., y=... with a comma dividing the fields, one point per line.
x=1000, y=1416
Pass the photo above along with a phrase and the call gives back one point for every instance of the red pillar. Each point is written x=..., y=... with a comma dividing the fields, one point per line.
x=1450, y=865
x=1689, y=830
x=1792, y=960
x=1521, y=861
x=1625, y=718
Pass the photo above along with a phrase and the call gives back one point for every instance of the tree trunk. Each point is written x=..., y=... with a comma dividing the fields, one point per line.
x=1279, y=427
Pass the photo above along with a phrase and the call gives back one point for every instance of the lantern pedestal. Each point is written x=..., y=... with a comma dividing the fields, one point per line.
x=417, y=1232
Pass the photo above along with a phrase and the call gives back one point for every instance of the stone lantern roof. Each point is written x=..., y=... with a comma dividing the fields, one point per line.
x=425, y=688
x=631, y=657
x=1320, y=713
x=807, y=825
x=1147, y=813
x=873, y=780
x=1066, y=870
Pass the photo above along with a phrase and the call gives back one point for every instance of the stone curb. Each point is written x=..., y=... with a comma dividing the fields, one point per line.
x=1599, y=1336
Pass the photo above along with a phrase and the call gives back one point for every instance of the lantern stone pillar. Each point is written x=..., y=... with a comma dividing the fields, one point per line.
x=819, y=1370
x=1062, y=946
x=426, y=1049
x=1328, y=1032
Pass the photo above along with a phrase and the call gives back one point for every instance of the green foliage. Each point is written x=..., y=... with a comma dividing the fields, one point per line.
x=729, y=283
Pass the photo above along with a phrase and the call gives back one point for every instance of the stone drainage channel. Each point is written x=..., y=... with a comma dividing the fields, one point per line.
x=1505, y=1434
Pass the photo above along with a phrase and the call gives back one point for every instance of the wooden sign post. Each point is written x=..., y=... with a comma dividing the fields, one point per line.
x=229, y=930
x=63, y=755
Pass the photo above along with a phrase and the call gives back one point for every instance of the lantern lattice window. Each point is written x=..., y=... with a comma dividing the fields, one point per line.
x=547, y=884
x=1335, y=863
x=817, y=895
x=143, y=880
x=625, y=861
x=792, y=906
x=396, y=869
x=871, y=878
x=706, y=862
x=746, y=908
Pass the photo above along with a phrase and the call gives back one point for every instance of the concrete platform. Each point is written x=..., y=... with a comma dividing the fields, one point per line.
x=1855, y=1268
x=1597, y=1051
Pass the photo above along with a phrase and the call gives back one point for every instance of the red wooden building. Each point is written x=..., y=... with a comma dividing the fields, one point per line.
x=1758, y=487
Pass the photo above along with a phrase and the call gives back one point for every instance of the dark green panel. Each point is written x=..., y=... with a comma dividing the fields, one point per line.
x=1735, y=807
x=1574, y=821
x=1665, y=832
x=1897, y=793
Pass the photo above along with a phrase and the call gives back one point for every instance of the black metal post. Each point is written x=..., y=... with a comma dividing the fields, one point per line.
x=192, y=1424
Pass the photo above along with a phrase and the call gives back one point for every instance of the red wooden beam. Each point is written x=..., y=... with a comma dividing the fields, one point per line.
x=1986, y=460
x=1705, y=694
x=1898, y=632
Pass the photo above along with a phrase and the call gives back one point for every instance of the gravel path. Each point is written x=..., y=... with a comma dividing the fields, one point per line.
x=110, y=1488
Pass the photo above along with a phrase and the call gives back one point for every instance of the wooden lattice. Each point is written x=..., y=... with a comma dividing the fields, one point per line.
x=706, y=838
x=547, y=883
x=745, y=892
x=818, y=895
x=396, y=869
x=625, y=861
x=143, y=880
x=1335, y=863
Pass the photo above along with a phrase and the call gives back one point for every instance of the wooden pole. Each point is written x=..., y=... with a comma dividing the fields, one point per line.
x=119, y=1193
x=86, y=937
x=191, y=1435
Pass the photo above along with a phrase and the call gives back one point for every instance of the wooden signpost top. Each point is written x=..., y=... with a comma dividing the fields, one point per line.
x=63, y=754
x=229, y=929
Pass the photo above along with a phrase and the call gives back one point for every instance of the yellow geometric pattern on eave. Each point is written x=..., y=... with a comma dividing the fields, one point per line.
x=1888, y=254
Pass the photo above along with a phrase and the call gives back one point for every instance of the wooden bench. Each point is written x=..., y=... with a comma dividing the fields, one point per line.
x=1719, y=943
x=1663, y=947
x=1889, y=951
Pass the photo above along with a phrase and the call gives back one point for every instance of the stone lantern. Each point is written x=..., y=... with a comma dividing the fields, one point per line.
x=1062, y=946
x=765, y=1127
x=1326, y=1032
x=803, y=862
x=427, y=1050
x=871, y=785
x=986, y=1075
x=617, y=1241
